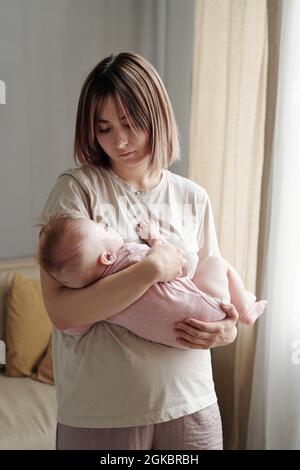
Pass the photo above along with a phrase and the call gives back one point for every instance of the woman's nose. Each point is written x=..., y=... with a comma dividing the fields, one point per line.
x=120, y=138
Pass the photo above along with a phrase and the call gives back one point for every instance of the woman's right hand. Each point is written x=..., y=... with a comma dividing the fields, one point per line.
x=169, y=260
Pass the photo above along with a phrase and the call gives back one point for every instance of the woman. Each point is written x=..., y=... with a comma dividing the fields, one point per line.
x=116, y=390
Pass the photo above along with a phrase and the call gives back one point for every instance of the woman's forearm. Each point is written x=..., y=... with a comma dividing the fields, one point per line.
x=71, y=308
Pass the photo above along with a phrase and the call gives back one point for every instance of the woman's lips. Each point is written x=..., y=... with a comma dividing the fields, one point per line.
x=126, y=154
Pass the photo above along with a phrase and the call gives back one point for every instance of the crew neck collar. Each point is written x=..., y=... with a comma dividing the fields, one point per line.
x=138, y=192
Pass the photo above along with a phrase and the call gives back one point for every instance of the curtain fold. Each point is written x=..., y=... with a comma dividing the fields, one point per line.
x=274, y=421
x=228, y=105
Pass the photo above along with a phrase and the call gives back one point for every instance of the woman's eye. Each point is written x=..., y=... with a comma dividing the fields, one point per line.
x=106, y=131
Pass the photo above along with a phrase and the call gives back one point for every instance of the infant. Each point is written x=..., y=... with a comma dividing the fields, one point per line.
x=79, y=251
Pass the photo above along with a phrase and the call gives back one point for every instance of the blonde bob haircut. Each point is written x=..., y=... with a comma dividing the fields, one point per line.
x=136, y=85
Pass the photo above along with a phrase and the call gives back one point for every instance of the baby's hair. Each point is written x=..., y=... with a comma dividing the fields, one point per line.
x=60, y=247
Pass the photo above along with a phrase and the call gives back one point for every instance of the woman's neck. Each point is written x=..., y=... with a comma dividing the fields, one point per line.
x=138, y=178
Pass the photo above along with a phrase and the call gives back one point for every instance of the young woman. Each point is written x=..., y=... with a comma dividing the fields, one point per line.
x=116, y=390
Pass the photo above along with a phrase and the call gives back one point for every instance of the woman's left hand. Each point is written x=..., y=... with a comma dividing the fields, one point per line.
x=197, y=334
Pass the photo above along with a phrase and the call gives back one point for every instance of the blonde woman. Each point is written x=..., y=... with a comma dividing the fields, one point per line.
x=116, y=390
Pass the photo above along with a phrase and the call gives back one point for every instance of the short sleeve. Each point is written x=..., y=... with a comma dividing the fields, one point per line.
x=67, y=196
x=206, y=235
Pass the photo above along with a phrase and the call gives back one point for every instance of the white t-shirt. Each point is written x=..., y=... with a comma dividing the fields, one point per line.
x=110, y=377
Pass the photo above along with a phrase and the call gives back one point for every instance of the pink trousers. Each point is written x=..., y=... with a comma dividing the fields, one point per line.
x=201, y=430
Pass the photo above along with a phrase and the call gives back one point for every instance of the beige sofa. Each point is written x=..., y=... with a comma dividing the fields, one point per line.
x=27, y=407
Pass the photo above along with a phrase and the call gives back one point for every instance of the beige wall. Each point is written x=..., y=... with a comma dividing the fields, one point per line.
x=46, y=49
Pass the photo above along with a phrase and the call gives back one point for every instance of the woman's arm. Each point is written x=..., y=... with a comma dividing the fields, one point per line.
x=71, y=308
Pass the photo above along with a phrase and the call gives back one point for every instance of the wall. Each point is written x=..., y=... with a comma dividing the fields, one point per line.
x=47, y=47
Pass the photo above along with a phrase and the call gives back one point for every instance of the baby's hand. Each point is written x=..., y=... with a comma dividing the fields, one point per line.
x=148, y=231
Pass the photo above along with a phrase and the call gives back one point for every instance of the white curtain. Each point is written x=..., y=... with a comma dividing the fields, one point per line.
x=275, y=406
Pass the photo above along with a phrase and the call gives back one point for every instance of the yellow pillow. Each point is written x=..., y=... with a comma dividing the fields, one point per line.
x=28, y=328
x=44, y=372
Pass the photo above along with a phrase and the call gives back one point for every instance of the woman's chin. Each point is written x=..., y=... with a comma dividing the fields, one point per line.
x=132, y=160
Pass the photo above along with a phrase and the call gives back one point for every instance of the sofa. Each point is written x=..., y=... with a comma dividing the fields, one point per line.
x=27, y=406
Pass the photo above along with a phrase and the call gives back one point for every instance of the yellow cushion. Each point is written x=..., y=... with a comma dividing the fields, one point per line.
x=44, y=372
x=28, y=328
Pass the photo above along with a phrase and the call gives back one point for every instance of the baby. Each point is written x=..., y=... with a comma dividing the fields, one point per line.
x=78, y=251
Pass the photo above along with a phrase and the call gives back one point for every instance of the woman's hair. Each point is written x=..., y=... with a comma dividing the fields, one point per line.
x=134, y=82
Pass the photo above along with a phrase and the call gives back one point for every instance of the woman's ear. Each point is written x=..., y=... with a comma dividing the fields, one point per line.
x=107, y=258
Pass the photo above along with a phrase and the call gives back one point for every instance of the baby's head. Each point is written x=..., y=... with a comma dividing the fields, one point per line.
x=76, y=251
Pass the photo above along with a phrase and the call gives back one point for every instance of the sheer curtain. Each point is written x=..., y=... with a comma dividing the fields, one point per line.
x=274, y=421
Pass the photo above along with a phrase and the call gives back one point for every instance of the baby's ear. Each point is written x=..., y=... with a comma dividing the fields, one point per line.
x=107, y=257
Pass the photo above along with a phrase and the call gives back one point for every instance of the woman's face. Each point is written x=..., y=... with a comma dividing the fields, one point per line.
x=124, y=147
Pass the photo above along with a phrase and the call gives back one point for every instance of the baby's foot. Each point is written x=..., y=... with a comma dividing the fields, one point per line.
x=254, y=312
x=148, y=231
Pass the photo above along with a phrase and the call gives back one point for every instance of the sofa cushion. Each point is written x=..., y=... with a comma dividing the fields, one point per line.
x=44, y=372
x=27, y=266
x=28, y=328
x=27, y=414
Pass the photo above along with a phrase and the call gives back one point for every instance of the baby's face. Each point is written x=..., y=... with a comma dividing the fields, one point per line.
x=100, y=243
x=100, y=237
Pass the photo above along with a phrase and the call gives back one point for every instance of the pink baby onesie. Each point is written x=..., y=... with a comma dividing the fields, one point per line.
x=154, y=315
